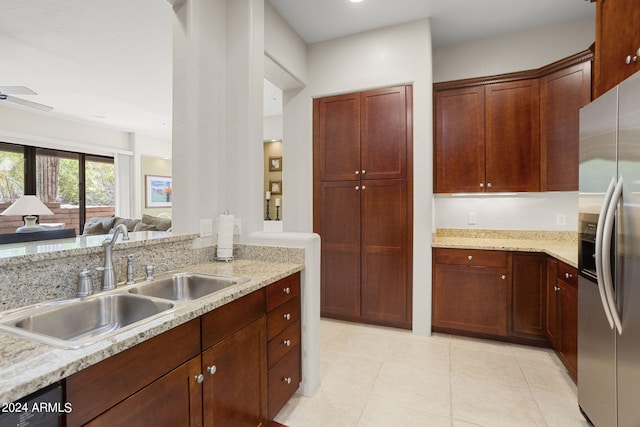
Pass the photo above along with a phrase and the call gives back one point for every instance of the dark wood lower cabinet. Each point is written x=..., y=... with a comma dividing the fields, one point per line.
x=235, y=366
x=510, y=296
x=235, y=387
x=174, y=399
x=528, y=309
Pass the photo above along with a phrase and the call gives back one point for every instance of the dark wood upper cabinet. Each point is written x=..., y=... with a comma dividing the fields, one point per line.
x=384, y=133
x=562, y=94
x=459, y=140
x=515, y=132
x=617, y=54
x=512, y=148
x=338, y=137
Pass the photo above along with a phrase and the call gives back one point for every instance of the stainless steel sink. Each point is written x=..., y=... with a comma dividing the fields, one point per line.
x=186, y=286
x=77, y=322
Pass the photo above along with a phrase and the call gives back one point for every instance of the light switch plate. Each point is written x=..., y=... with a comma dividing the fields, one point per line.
x=473, y=218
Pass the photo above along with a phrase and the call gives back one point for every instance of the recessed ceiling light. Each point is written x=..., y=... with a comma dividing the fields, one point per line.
x=355, y=1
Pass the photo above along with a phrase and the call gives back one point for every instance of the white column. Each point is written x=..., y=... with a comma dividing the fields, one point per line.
x=217, y=111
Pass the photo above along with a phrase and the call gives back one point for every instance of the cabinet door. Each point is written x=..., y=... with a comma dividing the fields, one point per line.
x=528, y=310
x=235, y=385
x=459, y=140
x=386, y=290
x=568, y=326
x=617, y=36
x=174, y=399
x=384, y=133
x=512, y=136
x=472, y=299
x=562, y=94
x=336, y=137
x=338, y=222
x=551, y=323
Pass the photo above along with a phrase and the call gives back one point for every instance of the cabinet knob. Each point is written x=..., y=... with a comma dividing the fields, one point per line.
x=489, y=184
x=212, y=369
x=470, y=257
x=357, y=172
x=287, y=343
x=630, y=59
x=364, y=171
x=503, y=277
x=287, y=316
x=287, y=380
x=199, y=378
x=482, y=185
x=357, y=187
x=287, y=290
x=364, y=187
x=568, y=276
x=555, y=288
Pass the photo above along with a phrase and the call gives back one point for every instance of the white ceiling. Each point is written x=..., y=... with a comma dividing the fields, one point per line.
x=109, y=61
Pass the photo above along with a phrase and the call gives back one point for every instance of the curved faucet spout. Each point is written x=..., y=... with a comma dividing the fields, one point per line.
x=109, y=280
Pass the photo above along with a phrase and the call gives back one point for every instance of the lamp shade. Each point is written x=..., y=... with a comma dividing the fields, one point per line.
x=27, y=205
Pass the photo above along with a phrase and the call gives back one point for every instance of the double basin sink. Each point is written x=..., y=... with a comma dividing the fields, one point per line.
x=77, y=322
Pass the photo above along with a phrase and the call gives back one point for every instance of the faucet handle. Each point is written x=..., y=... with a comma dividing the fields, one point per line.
x=149, y=269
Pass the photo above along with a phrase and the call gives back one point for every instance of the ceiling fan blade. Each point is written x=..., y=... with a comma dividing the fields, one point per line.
x=16, y=90
x=26, y=103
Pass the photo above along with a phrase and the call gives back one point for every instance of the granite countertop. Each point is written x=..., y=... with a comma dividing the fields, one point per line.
x=562, y=245
x=27, y=366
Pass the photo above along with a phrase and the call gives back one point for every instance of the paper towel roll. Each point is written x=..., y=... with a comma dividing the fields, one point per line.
x=225, y=236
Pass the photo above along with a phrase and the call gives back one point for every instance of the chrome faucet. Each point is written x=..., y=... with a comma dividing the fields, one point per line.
x=109, y=280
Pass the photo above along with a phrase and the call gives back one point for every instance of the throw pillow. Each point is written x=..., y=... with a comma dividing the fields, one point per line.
x=162, y=224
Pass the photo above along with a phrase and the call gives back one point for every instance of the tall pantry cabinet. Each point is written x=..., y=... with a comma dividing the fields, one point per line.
x=362, y=146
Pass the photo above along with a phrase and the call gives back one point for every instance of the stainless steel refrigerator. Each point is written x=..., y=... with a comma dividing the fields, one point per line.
x=609, y=258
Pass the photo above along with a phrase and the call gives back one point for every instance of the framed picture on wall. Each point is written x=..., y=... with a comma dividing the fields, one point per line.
x=275, y=164
x=157, y=191
x=275, y=187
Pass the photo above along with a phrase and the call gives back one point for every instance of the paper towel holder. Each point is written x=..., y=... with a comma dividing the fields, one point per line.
x=223, y=258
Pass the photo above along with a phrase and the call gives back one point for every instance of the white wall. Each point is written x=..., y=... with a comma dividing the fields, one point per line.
x=395, y=55
x=283, y=44
x=525, y=211
x=513, y=52
x=272, y=128
x=497, y=55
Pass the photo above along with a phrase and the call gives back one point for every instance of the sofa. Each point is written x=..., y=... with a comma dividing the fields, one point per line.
x=105, y=225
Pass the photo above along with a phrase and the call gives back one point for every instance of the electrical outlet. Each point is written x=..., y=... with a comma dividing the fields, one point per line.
x=237, y=227
x=206, y=227
x=561, y=219
x=473, y=218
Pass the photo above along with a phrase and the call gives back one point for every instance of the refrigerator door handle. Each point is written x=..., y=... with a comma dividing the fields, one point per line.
x=606, y=254
x=599, y=257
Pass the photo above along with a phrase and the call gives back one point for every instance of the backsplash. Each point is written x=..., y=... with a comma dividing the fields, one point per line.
x=39, y=277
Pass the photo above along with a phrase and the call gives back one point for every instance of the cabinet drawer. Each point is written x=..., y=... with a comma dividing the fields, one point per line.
x=284, y=379
x=472, y=257
x=225, y=320
x=568, y=274
x=283, y=343
x=282, y=317
x=101, y=386
x=282, y=291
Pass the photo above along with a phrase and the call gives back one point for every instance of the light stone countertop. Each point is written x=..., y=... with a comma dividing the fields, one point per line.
x=27, y=366
x=561, y=245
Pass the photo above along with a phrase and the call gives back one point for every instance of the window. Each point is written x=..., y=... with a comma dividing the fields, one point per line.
x=75, y=186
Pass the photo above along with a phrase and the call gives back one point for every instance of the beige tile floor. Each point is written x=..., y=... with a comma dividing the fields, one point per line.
x=374, y=376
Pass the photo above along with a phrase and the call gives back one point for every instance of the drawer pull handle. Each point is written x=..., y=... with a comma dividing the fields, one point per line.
x=287, y=380
x=287, y=290
x=199, y=378
x=212, y=369
x=287, y=343
x=470, y=257
x=287, y=316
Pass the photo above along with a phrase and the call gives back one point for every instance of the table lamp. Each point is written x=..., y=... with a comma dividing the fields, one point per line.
x=28, y=206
